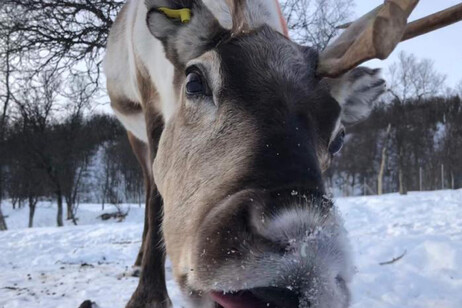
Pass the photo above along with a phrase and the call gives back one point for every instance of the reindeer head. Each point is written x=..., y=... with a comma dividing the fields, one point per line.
x=239, y=165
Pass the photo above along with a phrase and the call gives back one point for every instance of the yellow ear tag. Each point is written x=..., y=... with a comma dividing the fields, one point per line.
x=183, y=14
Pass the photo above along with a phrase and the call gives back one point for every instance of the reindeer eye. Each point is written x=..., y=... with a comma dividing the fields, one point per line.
x=337, y=144
x=195, y=83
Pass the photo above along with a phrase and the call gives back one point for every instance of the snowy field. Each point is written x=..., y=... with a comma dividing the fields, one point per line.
x=48, y=267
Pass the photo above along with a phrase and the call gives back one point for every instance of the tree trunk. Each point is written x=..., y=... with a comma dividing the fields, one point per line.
x=105, y=190
x=69, y=207
x=452, y=181
x=420, y=179
x=383, y=162
x=73, y=203
x=32, y=204
x=364, y=186
x=402, y=186
x=3, y=226
x=401, y=176
x=442, y=176
x=345, y=186
x=59, y=218
x=353, y=183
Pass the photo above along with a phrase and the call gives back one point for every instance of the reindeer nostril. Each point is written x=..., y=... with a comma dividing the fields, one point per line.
x=277, y=297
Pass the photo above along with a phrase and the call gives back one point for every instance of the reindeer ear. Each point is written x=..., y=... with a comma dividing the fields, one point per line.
x=356, y=92
x=183, y=41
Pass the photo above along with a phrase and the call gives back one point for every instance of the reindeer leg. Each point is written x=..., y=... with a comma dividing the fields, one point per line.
x=141, y=151
x=152, y=290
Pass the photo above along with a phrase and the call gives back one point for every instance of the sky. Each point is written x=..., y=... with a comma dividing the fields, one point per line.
x=443, y=46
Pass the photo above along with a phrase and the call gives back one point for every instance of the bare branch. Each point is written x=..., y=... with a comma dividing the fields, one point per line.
x=312, y=22
x=63, y=35
x=394, y=260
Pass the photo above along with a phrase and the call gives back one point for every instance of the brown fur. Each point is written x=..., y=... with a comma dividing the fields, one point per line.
x=151, y=287
x=151, y=290
x=252, y=125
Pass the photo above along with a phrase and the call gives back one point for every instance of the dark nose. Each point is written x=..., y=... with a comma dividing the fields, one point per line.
x=287, y=156
x=277, y=297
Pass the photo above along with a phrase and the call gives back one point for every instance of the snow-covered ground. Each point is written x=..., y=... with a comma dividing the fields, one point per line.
x=48, y=267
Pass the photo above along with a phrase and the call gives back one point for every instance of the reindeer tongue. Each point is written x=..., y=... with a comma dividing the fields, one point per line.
x=238, y=300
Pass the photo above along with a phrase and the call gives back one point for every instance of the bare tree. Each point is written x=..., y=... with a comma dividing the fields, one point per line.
x=459, y=89
x=413, y=78
x=410, y=79
x=451, y=143
x=35, y=105
x=383, y=161
x=67, y=38
x=59, y=34
x=3, y=225
x=77, y=146
x=26, y=180
x=314, y=22
x=5, y=96
x=112, y=177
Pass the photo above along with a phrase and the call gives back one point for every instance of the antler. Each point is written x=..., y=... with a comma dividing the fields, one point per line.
x=433, y=22
x=237, y=9
x=376, y=35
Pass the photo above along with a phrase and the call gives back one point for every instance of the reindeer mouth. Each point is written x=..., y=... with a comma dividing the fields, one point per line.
x=256, y=298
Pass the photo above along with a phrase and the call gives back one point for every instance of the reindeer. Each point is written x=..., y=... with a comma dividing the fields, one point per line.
x=233, y=125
